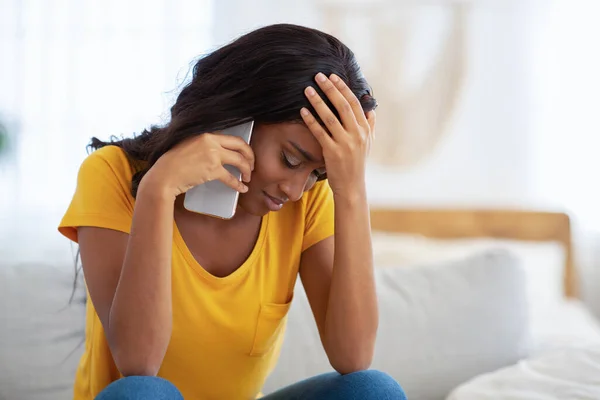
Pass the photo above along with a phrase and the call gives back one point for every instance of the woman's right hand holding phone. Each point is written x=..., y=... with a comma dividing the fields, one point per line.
x=201, y=159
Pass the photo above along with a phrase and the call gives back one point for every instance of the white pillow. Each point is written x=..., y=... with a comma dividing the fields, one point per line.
x=440, y=325
x=572, y=373
x=567, y=325
x=41, y=334
x=543, y=262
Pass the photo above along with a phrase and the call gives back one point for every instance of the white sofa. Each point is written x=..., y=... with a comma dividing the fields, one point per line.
x=441, y=324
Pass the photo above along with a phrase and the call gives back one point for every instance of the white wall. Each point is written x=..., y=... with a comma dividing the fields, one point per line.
x=483, y=159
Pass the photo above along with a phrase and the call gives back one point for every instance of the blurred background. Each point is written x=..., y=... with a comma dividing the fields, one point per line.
x=482, y=103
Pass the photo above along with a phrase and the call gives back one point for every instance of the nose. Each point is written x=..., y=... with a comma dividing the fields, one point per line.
x=295, y=186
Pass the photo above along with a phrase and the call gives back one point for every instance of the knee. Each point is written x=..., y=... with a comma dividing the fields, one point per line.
x=374, y=384
x=140, y=387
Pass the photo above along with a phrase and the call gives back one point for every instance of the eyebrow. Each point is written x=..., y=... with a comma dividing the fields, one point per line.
x=305, y=153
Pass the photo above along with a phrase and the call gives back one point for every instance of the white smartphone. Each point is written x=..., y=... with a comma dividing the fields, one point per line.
x=214, y=198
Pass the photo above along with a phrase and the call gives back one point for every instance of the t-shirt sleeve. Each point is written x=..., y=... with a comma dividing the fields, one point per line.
x=319, y=223
x=102, y=197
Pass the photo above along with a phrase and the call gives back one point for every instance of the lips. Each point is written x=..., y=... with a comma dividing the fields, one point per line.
x=276, y=200
x=273, y=203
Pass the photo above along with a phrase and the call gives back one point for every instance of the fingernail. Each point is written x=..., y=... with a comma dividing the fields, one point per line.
x=334, y=78
x=304, y=111
x=310, y=91
x=244, y=188
x=321, y=77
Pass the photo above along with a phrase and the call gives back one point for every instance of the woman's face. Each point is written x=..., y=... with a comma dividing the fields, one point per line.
x=288, y=159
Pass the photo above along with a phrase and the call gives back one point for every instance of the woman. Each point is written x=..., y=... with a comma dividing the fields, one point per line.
x=184, y=304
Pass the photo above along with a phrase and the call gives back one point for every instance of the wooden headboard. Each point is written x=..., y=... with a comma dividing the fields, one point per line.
x=505, y=224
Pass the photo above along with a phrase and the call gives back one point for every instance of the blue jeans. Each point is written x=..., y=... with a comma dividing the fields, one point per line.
x=363, y=385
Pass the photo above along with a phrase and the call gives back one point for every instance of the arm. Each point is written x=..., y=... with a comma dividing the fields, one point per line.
x=341, y=290
x=338, y=274
x=129, y=276
x=129, y=280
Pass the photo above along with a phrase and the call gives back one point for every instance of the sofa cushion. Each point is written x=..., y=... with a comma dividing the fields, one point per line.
x=568, y=373
x=440, y=325
x=42, y=331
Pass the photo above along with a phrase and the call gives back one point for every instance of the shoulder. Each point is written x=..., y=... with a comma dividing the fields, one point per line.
x=108, y=161
x=316, y=204
x=307, y=221
x=102, y=195
x=108, y=156
x=106, y=172
x=319, y=196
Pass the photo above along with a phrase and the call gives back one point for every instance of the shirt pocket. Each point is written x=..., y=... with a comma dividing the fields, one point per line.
x=269, y=325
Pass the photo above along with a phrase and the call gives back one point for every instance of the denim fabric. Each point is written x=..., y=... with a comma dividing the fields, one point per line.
x=363, y=385
x=140, y=388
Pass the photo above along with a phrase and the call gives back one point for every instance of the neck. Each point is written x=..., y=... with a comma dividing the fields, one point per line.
x=241, y=216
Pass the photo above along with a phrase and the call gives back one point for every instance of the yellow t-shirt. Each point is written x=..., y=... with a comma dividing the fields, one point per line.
x=227, y=332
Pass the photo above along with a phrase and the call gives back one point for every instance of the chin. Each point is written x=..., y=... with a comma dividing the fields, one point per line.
x=252, y=206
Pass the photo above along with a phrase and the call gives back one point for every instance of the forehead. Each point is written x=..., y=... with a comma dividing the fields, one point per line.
x=290, y=132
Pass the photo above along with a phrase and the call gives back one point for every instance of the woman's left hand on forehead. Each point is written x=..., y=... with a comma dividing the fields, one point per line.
x=346, y=150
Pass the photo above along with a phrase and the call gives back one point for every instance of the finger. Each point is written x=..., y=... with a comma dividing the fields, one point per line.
x=316, y=129
x=350, y=97
x=329, y=119
x=339, y=101
x=231, y=181
x=237, y=144
x=371, y=116
x=237, y=160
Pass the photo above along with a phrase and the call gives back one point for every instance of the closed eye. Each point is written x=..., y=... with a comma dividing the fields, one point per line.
x=294, y=164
